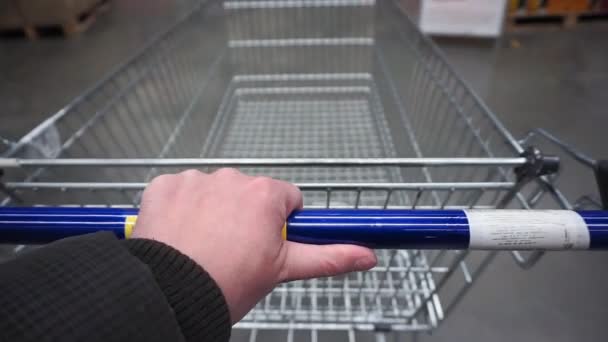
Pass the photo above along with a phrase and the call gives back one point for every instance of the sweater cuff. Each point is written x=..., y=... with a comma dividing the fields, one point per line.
x=198, y=303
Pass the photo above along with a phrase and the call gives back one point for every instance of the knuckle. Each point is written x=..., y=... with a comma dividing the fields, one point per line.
x=160, y=186
x=191, y=173
x=162, y=181
x=329, y=267
x=227, y=172
x=263, y=182
x=338, y=262
x=296, y=189
x=263, y=185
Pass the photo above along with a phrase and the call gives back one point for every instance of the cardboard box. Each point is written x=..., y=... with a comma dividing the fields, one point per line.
x=10, y=16
x=54, y=12
x=567, y=6
x=475, y=18
x=21, y=13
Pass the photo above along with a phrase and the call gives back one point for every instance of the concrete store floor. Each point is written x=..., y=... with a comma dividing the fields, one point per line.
x=556, y=79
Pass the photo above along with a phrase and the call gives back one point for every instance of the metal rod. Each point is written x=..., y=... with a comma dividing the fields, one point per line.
x=229, y=5
x=302, y=186
x=283, y=162
x=302, y=90
x=301, y=42
x=345, y=324
x=302, y=77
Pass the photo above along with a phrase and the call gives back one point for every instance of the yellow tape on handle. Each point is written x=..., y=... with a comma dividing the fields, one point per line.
x=129, y=224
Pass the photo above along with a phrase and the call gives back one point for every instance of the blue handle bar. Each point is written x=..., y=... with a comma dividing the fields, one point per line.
x=374, y=228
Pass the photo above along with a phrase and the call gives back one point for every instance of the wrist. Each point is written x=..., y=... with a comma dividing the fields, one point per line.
x=197, y=301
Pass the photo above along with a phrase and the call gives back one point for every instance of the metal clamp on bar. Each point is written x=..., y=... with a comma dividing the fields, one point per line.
x=383, y=327
x=537, y=165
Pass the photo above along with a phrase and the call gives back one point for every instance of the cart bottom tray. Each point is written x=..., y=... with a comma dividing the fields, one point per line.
x=307, y=116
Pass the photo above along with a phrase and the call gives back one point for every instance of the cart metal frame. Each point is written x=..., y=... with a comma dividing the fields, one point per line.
x=378, y=119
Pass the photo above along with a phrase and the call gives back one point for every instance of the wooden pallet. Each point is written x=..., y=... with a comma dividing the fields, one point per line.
x=566, y=20
x=70, y=27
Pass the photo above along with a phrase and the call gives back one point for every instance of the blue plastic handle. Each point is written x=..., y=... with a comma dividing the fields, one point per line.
x=374, y=228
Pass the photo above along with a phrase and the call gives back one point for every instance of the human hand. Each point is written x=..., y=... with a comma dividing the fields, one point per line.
x=230, y=224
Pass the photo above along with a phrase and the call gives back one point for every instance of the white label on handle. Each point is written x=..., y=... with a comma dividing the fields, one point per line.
x=527, y=229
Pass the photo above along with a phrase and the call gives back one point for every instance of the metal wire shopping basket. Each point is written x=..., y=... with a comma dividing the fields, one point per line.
x=343, y=97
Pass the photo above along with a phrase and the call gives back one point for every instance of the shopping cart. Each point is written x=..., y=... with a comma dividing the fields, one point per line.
x=343, y=97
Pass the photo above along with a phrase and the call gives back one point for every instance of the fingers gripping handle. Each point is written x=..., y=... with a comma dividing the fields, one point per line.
x=399, y=229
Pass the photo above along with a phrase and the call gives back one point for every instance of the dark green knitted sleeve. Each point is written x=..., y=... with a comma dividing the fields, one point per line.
x=200, y=307
x=97, y=288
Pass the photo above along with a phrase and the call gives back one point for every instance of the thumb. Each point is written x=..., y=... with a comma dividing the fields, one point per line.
x=306, y=261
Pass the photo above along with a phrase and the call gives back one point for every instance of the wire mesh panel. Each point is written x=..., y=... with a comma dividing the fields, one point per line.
x=343, y=97
x=307, y=116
